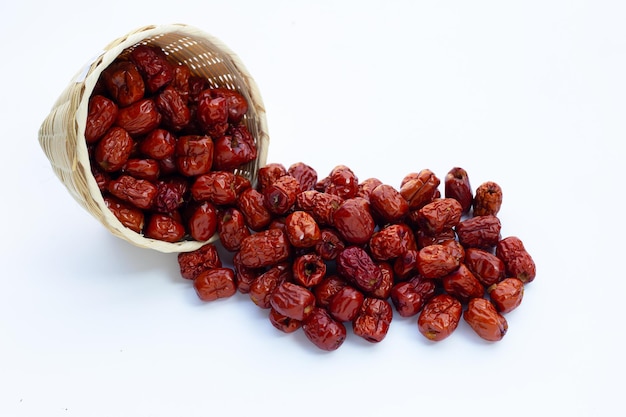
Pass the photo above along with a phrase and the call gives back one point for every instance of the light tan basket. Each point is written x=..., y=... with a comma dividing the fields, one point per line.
x=61, y=135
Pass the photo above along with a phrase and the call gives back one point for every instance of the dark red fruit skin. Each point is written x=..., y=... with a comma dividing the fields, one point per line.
x=463, y=285
x=517, y=261
x=487, y=267
x=137, y=192
x=100, y=117
x=373, y=321
x=152, y=63
x=391, y=242
x=308, y=270
x=507, y=294
x=388, y=204
x=263, y=286
x=147, y=169
x=269, y=173
x=356, y=265
x=383, y=291
x=214, y=284
x=439, y=215
x=306, y=175
x=244, y=276
x=293, y=301
x=325, y=290
x=264, y=249
x=139, y=118
x=123, y=83
x=423, y=239
x=427, y=288
x=158, y=144
x=457, y=186
x=330, y=245
x=487, y=199
x=440, y=317
x=192, y=263
x=180, y=82
x=411, y=176
x=283, y=323
x=346, y=304
x=194, y=155
x=481, y=232
x=436, y=261
x=420, y=189
x=405, y=265
x=234, y=149
x=164, y=227
x=302, y=229
x=236, y=103
x=197, y=85
x=240, y=184
x=342, y=182
x=131, y=217
x=219, y=107
x=219, y=187
x=323, y=331
x=171, y=194
x=320, y=205
x=367, y=186
x=277, y=223
x=212, y=114
x=456, y=249
x=113, y=150
x=102, y=178
x=252, y=205
x=232, y=228
x=406, y=299
x=361, y=291
x=173, y=108
x=168, y=166
x=485, y=320
x=281, y=194
x=354, y=222
x=202, y=222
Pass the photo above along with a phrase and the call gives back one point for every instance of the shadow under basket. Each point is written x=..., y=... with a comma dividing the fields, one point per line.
x=62, y=138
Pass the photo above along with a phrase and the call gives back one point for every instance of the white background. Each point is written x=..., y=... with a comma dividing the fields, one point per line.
x=529, y=94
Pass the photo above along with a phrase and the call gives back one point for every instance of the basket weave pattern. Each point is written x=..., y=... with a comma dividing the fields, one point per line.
x=61, y=134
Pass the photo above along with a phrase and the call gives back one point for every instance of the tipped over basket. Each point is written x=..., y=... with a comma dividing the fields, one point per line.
x=62, y=134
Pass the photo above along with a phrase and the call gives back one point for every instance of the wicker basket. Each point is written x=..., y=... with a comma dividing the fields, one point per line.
x=61, y=135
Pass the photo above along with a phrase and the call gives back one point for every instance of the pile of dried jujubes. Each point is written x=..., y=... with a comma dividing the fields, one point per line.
x=317, y=253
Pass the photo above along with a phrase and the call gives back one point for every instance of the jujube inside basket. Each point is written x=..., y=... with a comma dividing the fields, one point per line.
x=62, y=134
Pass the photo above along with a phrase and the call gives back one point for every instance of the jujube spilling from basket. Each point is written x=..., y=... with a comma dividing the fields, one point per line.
x=159, y=108
x=164, y=141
